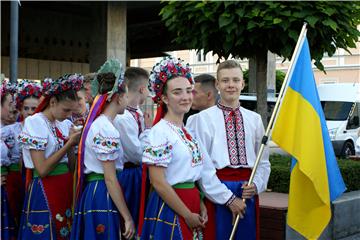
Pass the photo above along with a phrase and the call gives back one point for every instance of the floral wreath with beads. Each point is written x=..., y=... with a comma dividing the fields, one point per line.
x=110, y=66
x=68, y=81
x=168, y=68
x=26, y=89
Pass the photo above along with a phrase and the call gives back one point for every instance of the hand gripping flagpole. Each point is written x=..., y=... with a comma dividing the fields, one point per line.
x=265, y=138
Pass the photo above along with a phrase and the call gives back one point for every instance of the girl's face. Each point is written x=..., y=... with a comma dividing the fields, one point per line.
x=63, y=109
x=6, y=107
x=178, y=96
x=28, y=107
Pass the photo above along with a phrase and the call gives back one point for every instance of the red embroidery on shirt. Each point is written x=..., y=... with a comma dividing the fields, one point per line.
x=235, y=134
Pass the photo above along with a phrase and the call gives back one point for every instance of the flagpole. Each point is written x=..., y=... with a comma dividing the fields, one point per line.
x=273, y=117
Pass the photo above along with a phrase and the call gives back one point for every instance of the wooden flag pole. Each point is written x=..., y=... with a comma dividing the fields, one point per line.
x=273, y=117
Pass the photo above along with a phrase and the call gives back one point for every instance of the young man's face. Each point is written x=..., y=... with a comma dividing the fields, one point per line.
x=144, y=91
x=200, y=97
x=230, y=83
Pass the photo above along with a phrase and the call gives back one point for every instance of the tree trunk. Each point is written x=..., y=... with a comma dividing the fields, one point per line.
x=252, y=75
x=261, y=85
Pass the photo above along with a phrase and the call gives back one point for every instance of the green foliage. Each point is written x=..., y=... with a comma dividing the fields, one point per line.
x=280, y=76
x=248, y=28
x=280, y=173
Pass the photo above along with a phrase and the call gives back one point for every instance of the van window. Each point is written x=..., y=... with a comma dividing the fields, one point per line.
x=336, y=111
x=353, y=122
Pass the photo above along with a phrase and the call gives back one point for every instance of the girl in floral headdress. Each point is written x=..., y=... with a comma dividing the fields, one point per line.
x=176, y=161
x=7, y=222
x=47, y=140
x=100, y=202
x=27, y=99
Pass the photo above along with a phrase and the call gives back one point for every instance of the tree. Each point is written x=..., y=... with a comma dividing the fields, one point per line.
x=279, y=78
x=249, y=29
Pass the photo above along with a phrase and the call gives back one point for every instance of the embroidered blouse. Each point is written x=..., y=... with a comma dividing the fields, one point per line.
x=178, y=151
x=10, y=137
x=102, y=144
x=5, y=160
x=222, y=133
x=41, y=134
x=132, y=134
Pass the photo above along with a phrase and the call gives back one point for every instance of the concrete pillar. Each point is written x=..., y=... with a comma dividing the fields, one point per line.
x=116, y=31
x=271, y=74
x=97, y=55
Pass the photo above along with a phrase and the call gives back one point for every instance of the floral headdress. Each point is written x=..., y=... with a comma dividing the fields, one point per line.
x=7, y=87
x=68, y=81
x=110, y=66
x=26, y=89
x=168, y=68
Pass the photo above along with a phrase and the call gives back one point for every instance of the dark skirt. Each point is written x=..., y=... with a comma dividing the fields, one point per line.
x=130, y=181
x=96, y=215
x=7, y=221
x=220, y=217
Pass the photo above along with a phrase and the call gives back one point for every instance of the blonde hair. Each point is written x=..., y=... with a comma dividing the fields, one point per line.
x=228, y=64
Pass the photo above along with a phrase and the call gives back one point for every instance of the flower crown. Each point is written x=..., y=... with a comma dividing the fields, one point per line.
x=26, y=89
x=168, y=68
x=110, y=66
x=68, y=81
x=7, y=87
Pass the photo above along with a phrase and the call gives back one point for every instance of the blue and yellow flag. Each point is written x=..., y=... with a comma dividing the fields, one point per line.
x=300, y=129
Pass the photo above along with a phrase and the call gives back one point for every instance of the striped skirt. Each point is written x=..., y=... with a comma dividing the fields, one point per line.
x=96, y=215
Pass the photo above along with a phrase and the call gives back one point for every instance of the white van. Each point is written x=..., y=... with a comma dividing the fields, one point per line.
x=341, y=105
x=249, y=102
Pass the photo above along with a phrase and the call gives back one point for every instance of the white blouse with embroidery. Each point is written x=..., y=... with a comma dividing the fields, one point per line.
x=209, y=126
x=132, y=136
x=7, y=143
x=102, y=144
x=183, y=160
x=11, y=139
x=40, y=134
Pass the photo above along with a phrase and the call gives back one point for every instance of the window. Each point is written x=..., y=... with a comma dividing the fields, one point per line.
x=353, y=122
x=336, y=111
x=200, y=56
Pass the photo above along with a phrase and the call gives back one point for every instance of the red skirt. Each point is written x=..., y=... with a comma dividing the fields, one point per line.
x=15, y=192
x=58, y=190
x=191, y=199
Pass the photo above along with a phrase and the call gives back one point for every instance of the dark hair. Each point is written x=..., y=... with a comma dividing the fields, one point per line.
x=207, y=81
x=66, y=95
x=228, y=64
x=133, y=76
x=20, y=104
x=107, y=81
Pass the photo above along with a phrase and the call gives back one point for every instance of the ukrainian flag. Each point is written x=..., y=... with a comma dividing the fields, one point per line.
x=300, y=129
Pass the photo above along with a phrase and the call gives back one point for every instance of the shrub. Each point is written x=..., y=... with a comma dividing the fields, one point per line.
x=280, y=173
